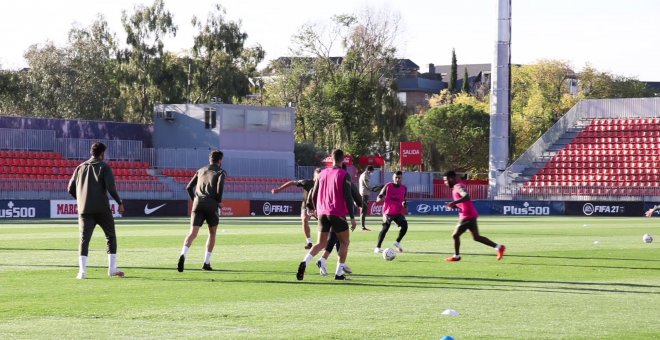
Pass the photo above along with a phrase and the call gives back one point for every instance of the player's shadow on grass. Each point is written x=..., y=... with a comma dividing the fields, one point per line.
x=38, y=249
x=538, y=256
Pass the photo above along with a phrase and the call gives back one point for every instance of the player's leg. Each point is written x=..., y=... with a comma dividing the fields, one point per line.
x=458, y=231
x=86, y=225
x=363, y=212
x=321, y=241
x=304, y=219
x=212, y=219
x=403, y=225
x=322, y=262
x=387, y=221
x=196, y=221
x=340, y=227
x=500, y=248
x=107, y=223
x=210, y=244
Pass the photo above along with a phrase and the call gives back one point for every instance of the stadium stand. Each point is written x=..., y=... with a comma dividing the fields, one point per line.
x=609, y=157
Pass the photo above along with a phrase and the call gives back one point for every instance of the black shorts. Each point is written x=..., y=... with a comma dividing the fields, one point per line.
x=466, y=225
x=398, y=219
x=205, y=213
x=328, y=223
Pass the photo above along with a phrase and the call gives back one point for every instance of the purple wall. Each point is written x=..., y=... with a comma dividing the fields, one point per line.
x=65, y=128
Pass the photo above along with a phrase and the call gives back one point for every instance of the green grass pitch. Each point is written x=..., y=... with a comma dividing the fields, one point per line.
x=555, y=282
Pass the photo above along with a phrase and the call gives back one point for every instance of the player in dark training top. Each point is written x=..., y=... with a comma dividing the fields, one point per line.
x=307, y=185
x=205, y=189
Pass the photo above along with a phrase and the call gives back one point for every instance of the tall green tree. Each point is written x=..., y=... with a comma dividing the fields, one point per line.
x=142, y=61
x=455, y=136
x=466, y=83
x=453, y=74
x=222, y=64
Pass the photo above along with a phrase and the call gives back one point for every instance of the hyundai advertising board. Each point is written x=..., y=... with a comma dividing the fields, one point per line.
x=13, y=209
x=527, y=208
x=440, y=208
x=604, y=208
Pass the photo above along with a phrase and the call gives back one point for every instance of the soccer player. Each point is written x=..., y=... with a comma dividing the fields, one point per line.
x=365, y=189
x=394, y=196
x=205, y=189
x=650, y=212
x=331, y=199
x=467, y=218
x=307, y=185
x=333, y=241
x=90, y=184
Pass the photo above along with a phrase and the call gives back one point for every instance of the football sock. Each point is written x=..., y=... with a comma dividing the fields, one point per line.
x=112, y=262
x=309, y=240
x=184, y=251
x=207, y=258
x=340, y=269
x=82, y=263
x=498, y=247
x=308, y=258
x=323, y=261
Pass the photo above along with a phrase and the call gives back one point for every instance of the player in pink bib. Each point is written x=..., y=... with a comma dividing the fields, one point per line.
x=467, y=217
x=394, y=194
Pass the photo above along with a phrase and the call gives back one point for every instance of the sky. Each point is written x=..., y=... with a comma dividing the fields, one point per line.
x=620, y=37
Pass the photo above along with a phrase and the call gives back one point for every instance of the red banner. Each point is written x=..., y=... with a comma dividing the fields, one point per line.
x=411, y=153
x=348, y=160
x=371, y=160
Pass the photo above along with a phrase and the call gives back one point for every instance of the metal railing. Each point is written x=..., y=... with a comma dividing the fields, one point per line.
x=130, y=150
x=27, y=139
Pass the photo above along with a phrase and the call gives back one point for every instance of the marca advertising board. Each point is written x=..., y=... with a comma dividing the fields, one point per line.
x=12, y=209
x=275, y=208
x=155, y=208
x=69, y=209
x=604, y=208
x=527, y=208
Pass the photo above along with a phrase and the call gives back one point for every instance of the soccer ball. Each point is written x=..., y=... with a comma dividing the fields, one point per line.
x=389, y=254
x=647, y=238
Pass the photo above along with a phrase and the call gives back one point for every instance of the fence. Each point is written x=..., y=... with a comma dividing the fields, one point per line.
x=27, y=139
x=129, y=150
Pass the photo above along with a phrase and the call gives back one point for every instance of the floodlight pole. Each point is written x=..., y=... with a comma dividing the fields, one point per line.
x=500, y=101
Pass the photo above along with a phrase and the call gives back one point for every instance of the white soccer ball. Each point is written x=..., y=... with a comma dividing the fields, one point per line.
x=389, y=254
x=647, y=238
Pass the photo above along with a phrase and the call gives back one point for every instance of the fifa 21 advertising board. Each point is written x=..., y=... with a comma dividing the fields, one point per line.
x=604, y=208
x=69, y=209
x=14, y=209
x=275, y=208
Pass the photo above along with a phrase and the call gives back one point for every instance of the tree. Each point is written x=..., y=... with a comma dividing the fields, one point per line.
x=455, y=136
x=142, y=60
x=343, y=101
x=223, y=65
x=453, y=75
x=466, y=83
